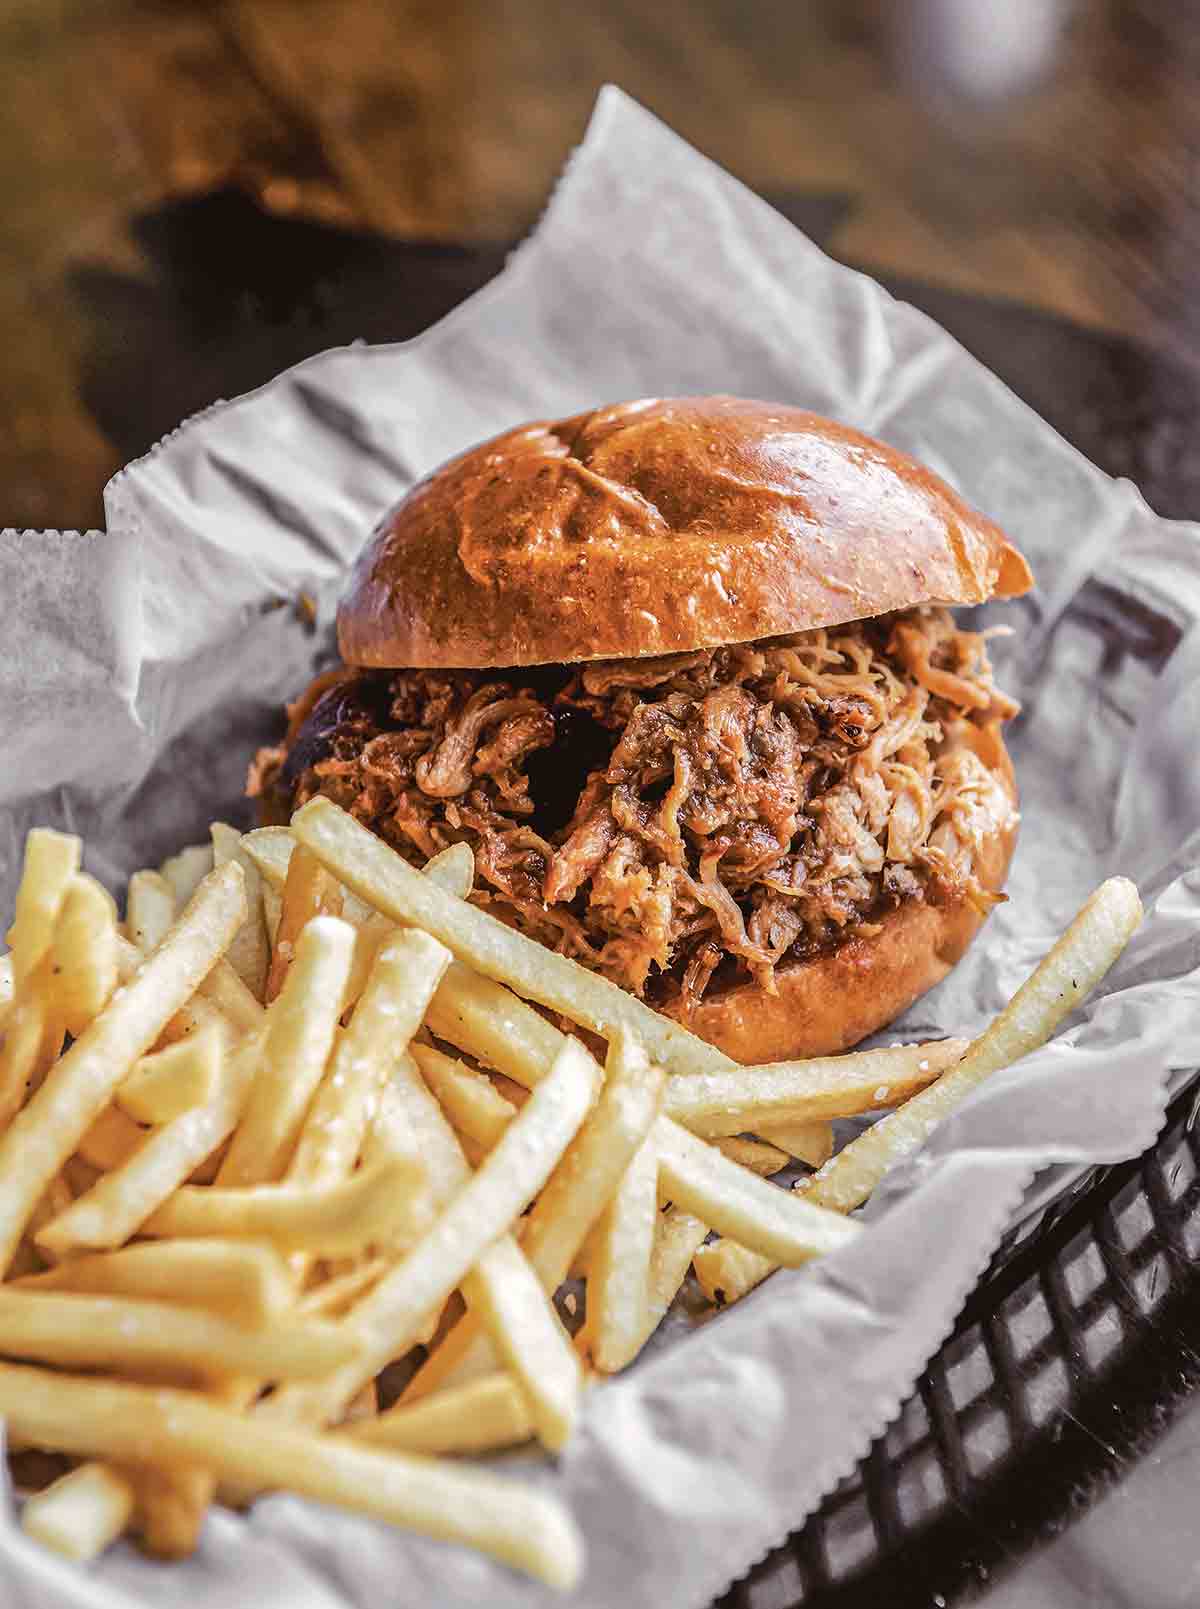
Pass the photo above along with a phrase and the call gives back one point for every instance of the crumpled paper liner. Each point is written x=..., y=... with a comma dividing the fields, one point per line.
x=145, y=663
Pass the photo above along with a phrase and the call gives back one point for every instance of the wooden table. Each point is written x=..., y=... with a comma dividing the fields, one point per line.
x=189, y=190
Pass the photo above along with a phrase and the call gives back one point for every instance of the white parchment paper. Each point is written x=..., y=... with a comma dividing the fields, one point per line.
x=143, y=664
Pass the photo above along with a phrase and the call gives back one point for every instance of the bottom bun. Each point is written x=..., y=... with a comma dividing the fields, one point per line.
x=826, y=1005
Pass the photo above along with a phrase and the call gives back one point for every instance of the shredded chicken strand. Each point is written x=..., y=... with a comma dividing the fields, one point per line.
x=671, y=820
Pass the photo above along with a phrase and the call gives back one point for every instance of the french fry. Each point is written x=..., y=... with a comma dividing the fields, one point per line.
x=515, y=1094
x=221, y=987
x=123, y=1199
x=60, y=1327
x=394, y=1313
x=807, y=1142
x=379, y=875
x=191, y=1021
x=452, y=871
x=368, y=940
x=759, y=1157
x=1061, y=981
x=480, y=1417
x=738, y=1203
x=402, y=973
x=248, y=954
x=618, y=1270
x=572, y=1202
x=270, y=848
x=407, y=969
x=246, y=1284
x=309, y=891
x=172, y=1081
x=707, y=1183
x=149, y=910
x=475, y=1107
x=91, y=1417
x=700, y=1178
x=84, y=947
x=332, y=1297
x=519, y=1317
x=51, y=862
x=225, y=990
x=332, y=1219
x=364, y=1406
x=48, y=1129
x=81, y=1513
x=272, y=902
x=723, y=1103
x=24, y=1054
x=410, y=1123
x=494, y=1025
x=726, y=1271
x=1067, y=975
x=187, y=870
x=55, y=1199
x=111, y=1140
x=299, y=1039
x=677, y=1238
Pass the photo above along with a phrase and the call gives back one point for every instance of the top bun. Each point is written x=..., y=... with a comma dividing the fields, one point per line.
x=656, y=527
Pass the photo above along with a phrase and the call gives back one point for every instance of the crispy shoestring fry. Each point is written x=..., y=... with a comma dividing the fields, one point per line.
x=299, y=1038
x=352, y=1167
x=756, y=1155
x=573, y=1200
x=120, y=1201
x=807, y=1142
x=51, y=862
x=619, y=1266
x=1060, y=982
x=394, y=1313
x=246, y=1283
x=172, y=1081
x=84, y=948
x=46, y=1131
x=479, y=1417
x=308, y=891
x=81, y=1513
x=62, y=1327
x=724, y=1103
x=73, y=1414
x=320, y=1219
x=149, y=910
x=392, y=996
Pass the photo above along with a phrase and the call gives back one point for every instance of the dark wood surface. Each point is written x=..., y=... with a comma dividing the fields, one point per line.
x=188, y=188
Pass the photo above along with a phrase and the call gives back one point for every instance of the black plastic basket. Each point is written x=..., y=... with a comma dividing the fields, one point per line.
x=1067, y=1360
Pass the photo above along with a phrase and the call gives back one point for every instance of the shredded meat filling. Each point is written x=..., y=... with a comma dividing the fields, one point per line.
x=671, y=820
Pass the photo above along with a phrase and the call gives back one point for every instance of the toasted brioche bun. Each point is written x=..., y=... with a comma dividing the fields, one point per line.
x=656, y=527
x=828, y=1004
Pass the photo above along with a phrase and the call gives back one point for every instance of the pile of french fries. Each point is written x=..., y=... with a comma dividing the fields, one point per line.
x=305, y=1112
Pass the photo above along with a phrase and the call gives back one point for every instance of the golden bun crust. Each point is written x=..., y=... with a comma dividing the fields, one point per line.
x=656, y=527
x=826, y=1005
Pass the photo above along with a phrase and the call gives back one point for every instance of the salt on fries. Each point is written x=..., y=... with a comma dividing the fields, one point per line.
x=398, y=1147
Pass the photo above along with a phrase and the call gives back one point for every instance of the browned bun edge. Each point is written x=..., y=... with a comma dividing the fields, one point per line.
x=828, y=1004
x=660, y=526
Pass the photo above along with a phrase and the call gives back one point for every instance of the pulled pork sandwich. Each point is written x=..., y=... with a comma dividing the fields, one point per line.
x=683, y=674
